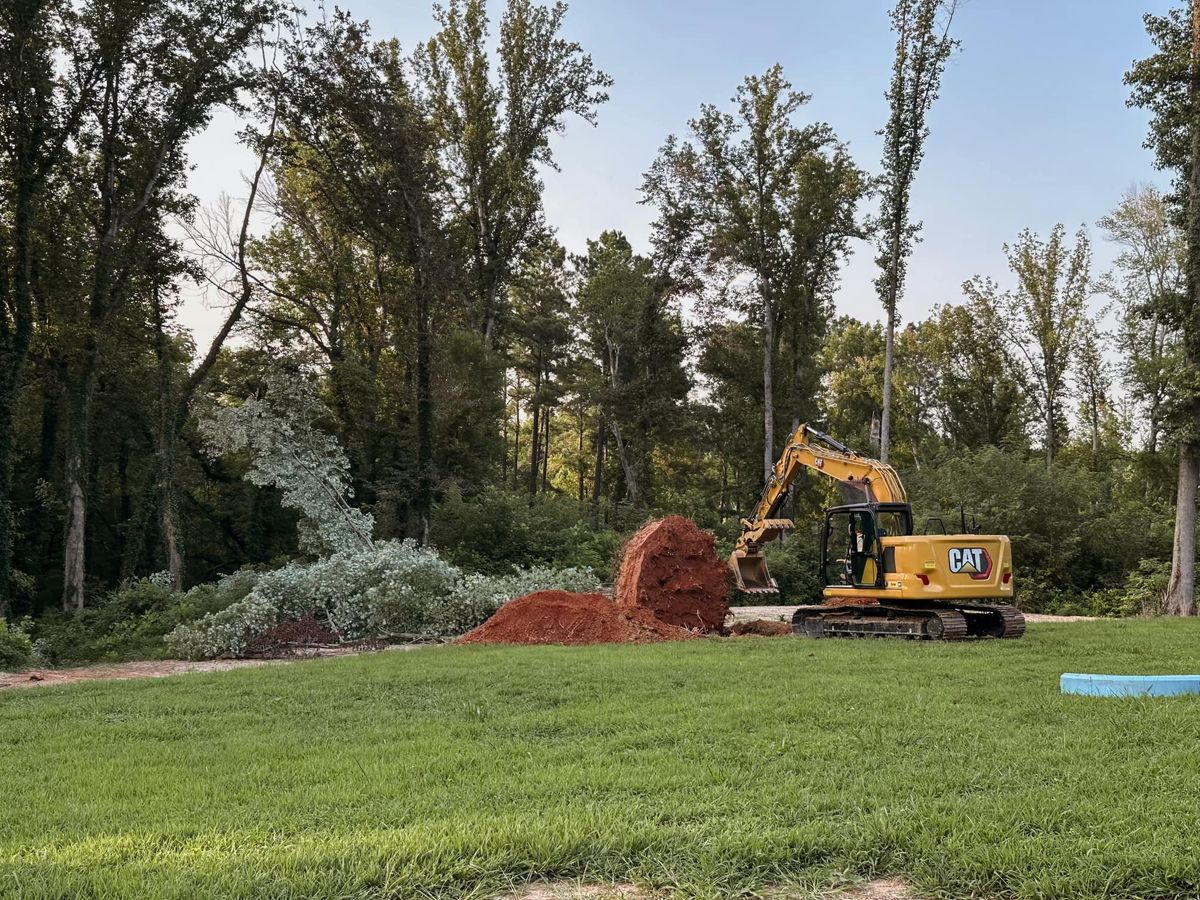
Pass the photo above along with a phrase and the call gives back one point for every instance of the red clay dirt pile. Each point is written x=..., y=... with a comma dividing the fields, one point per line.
x=559, y=617
x=671, y=568
x=670, y=587
x=761, y=628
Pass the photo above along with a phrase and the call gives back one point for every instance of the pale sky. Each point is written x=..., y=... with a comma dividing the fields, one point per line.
x=1031, y=128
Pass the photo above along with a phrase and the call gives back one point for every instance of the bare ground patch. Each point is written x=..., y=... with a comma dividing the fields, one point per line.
x=163, y=668
x=879, y=889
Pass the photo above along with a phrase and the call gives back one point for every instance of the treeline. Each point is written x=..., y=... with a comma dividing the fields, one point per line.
x=497, y=395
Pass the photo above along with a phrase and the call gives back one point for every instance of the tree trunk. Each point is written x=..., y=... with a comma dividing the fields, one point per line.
x=545, y=450
x=169, y=417
x=612, y=367
x=504, y=433
x=425, y=473
x=1051, y=429
x=75, y=541
x=535, y=438
x=7, y=391
x=580, y=460
x=631, y=483
x=598, y=472
x=768, y=393
x=889, y=348
x=517, y=433
x=1181, y=589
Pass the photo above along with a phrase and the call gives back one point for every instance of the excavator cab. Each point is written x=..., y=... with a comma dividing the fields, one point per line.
x=852, y=547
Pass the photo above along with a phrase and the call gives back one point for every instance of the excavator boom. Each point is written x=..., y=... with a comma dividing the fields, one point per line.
x=864, y=480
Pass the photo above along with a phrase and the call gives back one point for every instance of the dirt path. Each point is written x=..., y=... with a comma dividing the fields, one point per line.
x=162, y=668
x=784, y=614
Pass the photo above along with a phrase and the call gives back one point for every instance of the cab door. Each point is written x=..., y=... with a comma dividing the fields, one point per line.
x=851, y=554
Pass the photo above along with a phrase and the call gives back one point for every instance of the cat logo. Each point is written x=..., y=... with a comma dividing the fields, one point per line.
x=973, y=561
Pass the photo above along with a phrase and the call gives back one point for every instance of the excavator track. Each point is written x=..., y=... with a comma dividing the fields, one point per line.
x=997, y=620
x=929, y=623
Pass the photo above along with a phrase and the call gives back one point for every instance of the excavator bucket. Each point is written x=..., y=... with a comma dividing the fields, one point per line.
x=750, y=573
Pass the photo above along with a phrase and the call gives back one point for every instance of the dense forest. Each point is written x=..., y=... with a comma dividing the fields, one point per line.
x=388, y=276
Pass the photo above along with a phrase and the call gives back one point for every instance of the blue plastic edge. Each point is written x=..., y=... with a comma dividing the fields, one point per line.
x=1129, y=685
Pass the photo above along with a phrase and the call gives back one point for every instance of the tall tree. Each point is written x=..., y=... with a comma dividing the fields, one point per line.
x=495, y=131
x=923, y=44
x=633, y=330
x=1151, y=283
x=542, y=334
x=1043, y=317
x=360, y=133
x=163, y=66
x=31, y=100
x=734, y=207
x=1168, y=84
x=496, y=104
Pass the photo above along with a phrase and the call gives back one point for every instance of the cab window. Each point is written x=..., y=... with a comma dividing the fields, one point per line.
x=852, y=550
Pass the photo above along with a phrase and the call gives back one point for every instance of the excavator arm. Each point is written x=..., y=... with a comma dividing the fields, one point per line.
x=866, y=480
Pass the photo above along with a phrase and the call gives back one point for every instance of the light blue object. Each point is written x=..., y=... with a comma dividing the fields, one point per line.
x=1129, y=685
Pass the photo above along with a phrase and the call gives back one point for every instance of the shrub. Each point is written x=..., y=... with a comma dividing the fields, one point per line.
x=497, y=529
x=1143, y=594
x=16, y=648
x=131, y=621
x=396, y=589
x=127, y=623
x=214, y=596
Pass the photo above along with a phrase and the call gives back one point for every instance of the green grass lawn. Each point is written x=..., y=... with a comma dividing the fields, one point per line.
x=709, y=767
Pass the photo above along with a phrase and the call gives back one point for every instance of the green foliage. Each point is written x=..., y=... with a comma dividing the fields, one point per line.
x=635, y=334
x=497, y=530
x=494, y=766
x=796, y=565
x=755, y=214
x=132, y=621
x=16, y=647
x=923, y=46
x=127, y=623
x=1161, y=83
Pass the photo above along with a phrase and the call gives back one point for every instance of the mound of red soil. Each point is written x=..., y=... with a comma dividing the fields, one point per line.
x=671, y=568
x=286, y=637
x=559, y=617
x=762, y=628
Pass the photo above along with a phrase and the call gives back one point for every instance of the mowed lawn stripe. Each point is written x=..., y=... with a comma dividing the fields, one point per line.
x=707, y=767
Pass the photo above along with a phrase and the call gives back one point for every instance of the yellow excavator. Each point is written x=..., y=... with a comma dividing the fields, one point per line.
x=881, y=580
